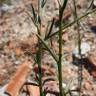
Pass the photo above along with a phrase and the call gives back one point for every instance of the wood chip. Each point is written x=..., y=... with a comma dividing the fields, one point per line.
x=19, y=79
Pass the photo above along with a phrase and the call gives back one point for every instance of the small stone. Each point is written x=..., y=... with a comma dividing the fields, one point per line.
x=65, y=37
x=85, y=48
x=2, y=91
x=88, y=85
x=5, y=7
x=94, y=74
x=17, y=62
x=63, y=85
x=18, y=52
x=92, y=59
x=94, y=4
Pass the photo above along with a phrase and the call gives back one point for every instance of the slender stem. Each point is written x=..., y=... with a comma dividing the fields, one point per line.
x=61, y=10
x=39, y=67
x=60, y=59
x=60, y=52
x=79, y=49
x=39, y=53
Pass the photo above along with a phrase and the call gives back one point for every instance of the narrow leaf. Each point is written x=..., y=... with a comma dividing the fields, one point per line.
x=39, y=20
x=43, y=3
x=33, y=12
x=91, y=3
x=64, y=4
x=50, y=29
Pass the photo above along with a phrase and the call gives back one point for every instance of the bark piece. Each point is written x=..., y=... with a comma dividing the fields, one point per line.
x=19, y=79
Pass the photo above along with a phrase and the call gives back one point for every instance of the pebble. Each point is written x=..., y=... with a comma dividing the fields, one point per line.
x=5, y=7
x=17, y=62
x=94, y=3
x=85, y=48
x=2, y=91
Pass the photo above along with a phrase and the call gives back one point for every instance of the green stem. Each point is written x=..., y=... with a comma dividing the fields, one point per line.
x=60, y=60
x=60, y=52
x=61, y=10
x=79, y=49
x=39, y=53
x=40, y=72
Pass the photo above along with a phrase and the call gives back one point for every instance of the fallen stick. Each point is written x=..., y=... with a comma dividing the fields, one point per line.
x=19, y=79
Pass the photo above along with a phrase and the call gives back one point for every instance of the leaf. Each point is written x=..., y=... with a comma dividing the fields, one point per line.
x=62, y=8
x=50, y=29
x=39, y=20
x=34, y=14
x=43, y=3
x=64, y=4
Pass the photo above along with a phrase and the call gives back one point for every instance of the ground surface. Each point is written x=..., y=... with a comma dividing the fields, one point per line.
x=18, y=44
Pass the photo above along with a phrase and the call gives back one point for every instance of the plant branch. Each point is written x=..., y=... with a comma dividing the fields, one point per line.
x=73, y=22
